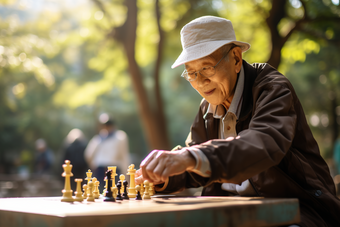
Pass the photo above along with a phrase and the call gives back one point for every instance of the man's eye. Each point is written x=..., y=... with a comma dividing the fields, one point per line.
x=191, y=73
x=207, y=68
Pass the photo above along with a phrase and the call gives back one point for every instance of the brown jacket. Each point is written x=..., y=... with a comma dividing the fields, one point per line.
x=275, y=150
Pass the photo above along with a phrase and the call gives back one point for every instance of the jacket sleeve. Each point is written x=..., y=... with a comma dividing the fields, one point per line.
x=197, y=135
x=262, y=145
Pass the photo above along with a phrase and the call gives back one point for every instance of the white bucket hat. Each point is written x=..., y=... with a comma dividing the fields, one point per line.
x=203, y=36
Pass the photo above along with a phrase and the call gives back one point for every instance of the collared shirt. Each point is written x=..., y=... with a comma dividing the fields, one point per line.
x=227, y=130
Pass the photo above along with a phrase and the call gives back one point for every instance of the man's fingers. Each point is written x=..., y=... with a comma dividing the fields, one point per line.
x=145, y=163
x=138, y=172
x=139, y=180
x=148, y=158
x=158, y=171
x=150, y=170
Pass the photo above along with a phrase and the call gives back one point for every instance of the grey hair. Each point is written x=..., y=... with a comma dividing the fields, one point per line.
x=223, y=51
x=226, y=48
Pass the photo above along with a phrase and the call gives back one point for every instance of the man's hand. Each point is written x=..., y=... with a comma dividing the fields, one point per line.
x=159, y=165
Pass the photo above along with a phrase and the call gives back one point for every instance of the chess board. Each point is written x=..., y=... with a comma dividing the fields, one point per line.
x=159, y=211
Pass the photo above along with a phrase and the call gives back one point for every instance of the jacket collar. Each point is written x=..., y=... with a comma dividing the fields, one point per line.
x=249, y=78
x=247, y=96
x=219, y=111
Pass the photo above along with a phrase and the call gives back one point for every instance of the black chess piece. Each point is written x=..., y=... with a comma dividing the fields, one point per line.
x=125, y=193
x=138, y=196
x=119, y=186
x=108, y=193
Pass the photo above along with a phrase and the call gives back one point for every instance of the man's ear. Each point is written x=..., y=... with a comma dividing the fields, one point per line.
x=237, y=52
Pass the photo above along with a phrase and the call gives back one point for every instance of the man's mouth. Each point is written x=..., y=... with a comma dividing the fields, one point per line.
x=210, y=91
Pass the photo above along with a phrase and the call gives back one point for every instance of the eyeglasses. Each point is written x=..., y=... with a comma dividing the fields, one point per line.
x=207, y=71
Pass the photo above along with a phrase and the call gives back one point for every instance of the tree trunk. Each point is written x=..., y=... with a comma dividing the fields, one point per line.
x=152, y=116
x=277, y=12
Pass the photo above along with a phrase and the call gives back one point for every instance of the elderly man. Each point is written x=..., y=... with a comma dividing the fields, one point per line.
x=250, y=136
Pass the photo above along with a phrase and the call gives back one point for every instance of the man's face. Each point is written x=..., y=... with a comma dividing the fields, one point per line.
x=219, y=88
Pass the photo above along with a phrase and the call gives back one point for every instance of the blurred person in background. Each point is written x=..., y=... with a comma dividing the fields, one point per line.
x=25, y=164
x=44, y=158
x=74, y=148
x=109, y=148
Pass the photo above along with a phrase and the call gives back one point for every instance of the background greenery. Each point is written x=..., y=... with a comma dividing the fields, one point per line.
x=62, y=64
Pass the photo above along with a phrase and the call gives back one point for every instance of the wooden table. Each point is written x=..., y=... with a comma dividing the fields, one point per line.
x=166, y=212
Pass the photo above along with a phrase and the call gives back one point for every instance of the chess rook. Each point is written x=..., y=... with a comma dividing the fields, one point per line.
x=113, y=175
x=67, y=191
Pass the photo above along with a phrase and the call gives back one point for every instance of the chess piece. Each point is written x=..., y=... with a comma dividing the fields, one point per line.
x=105, y=187
x=113, y=175
x=119, y=186
x=108, y=193
x=78, y=193
x=114, y=192
x=138, y=196
x=132, y=188
x=90, y=197
x=125, y=193
x=121, y=179
x=142, y=189
x=67, y=191
x=96, y=189
x=152, y=189
x=146, y=191
x=88, y=178
x=85, y=191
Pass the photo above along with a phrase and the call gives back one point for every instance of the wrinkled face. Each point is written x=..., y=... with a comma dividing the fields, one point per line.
x=219, y=88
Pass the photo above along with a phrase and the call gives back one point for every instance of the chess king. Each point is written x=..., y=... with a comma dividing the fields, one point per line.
x=67, y=191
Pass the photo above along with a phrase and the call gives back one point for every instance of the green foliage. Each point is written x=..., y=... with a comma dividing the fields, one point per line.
x=60, y=69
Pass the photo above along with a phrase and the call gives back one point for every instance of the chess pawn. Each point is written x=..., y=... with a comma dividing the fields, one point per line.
x=152, y=189
x=142, y=189
x=78, y=193
x=121, y=179
x=85, y=191
x=90, y=197
x=114, y=191
x=96, y=189
x=88, y=178
x=67, y=191
x=138, y=196
x=146, y=191
x=119, y=186
x=125, y=194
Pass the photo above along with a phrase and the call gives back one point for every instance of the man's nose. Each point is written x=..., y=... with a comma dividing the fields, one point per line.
x=202, y=80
